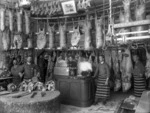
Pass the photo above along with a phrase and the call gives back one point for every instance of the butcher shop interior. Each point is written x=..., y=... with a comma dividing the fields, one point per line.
x=74, y=56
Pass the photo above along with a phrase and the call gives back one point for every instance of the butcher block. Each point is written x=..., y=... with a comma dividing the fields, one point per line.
x=23, y=102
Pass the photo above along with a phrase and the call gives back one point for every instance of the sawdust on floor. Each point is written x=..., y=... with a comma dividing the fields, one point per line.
x=110, y=107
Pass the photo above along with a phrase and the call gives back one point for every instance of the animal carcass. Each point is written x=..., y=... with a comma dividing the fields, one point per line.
x=62, y=31
x=87, y=30
x=27, y=22
x=6, y=39
x=41, y=39
x=126, y=70
x=2, y=18
x=19, y=21
x=140, y=14
x=99, y=32
x=51, y=36
x=147, y=72
x=17, y=41
x=10, y=20
x=75, y=36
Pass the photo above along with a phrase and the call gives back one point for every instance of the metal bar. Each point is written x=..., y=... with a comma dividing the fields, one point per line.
x=134, y=38
x=135, y=32
x=130, y=24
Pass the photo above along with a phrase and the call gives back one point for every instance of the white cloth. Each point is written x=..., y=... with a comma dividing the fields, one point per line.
x=85, y=66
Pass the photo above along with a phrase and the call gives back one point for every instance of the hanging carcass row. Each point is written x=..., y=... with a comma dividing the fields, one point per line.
x=126, y=70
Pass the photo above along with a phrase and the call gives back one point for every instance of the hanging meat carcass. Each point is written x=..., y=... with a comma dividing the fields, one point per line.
x=10, y=20
x=30, y=42
x=126, y=70
x=108, y=58
x=62, y=32
x=76, y=36
x=27, y=22
x=17, y=41
x=116, y=69
x=41, y=39
x=125, y=17
x=19, y=21
x=6, y=39
x=127, y=12
x=2, y=18
x=147, y=72
x=51, y=31
x=99, y=32
x=140, y=14
x=87, y=33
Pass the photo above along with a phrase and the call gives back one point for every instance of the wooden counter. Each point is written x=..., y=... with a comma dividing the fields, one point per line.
x=77, y=92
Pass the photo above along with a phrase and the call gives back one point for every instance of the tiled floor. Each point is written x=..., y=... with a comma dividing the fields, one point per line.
x=110, y=107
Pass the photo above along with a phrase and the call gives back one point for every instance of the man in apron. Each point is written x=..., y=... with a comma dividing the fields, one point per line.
x=102, y=75
x=29, y=70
